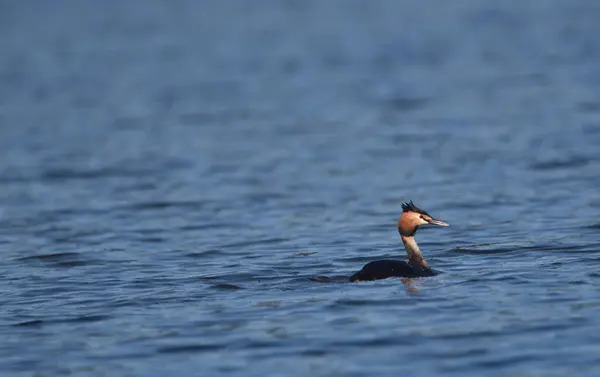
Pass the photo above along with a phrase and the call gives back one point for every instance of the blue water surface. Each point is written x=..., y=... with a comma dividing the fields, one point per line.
x=186, y=186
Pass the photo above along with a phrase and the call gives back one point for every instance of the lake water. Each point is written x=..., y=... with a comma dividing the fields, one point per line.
x=185, y=187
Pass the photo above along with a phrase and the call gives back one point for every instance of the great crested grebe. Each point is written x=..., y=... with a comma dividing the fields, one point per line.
x=412, y=217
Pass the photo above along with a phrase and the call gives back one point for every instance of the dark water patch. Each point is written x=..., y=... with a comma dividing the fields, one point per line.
x=259, y=345
x=152, y=239
x=118, y=355
x=61, y=213
x=191, y=348
x=306, y=253
x=76, y=319
x=208, y=277
x=519, y=280
x=453, y=354
x=264, y=197
x=87, y=318
x=226, y=287
x=585, y=260
x=591, y=128
x=330, y=279
x=74, y=236
x=344, y=321
x=174, y=163
x=31, y=323
x=305, y=205
x=269, y=304
x=499, y=362
x=469, y=335
x=54, y=229
x=278, y=278
x=210, y=226
x=161, y=205
x=65, y=260
x=27, y=222
x=557, y=164
x=204, y=254
x=591, y=107
x=252, y=256
x=376, y=342
x=556, y=264
x=314, y=352
x=405, y=104
x=66, y=174
x=417, y=138
x=587, y=304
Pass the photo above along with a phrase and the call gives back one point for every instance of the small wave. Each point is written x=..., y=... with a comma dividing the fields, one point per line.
x=306, y=253
x=574, y=162
x=191, y=348
x=329, y=279
x=375, y=342
x=67, y=174
x=227, y=287
x=204, y=254
x=485, y=249
x=162, y=204
x=67, y=259
x=32, y=323
x=77, y=319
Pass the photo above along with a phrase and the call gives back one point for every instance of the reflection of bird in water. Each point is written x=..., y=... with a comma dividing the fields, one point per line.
x=412, y=217
x=408, y=282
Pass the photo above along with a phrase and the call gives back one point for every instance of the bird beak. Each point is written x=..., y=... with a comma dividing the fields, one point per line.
x=437, y=222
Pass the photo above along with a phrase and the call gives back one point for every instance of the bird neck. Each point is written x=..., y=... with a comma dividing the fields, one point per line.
x=415, y=258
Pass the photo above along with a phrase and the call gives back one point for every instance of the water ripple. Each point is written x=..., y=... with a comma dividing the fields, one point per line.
x=186, y=188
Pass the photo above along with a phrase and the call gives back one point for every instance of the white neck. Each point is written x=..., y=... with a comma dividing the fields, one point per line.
x=415, y=258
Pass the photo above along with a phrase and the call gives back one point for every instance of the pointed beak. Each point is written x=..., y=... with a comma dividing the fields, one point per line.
x=438, y=222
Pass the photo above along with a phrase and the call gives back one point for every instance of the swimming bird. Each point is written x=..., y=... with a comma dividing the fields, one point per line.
x=411, y=219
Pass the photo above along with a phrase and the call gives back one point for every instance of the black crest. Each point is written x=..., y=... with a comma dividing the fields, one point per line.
x=411, y=207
